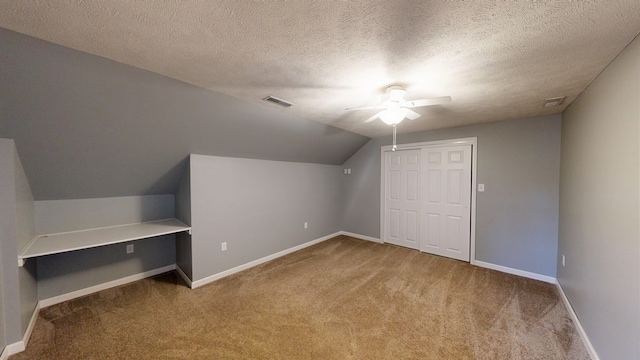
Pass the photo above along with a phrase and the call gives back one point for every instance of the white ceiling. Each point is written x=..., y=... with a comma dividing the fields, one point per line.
x=497, y=59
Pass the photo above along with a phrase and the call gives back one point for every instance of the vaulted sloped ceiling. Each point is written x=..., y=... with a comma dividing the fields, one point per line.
x=88, y=127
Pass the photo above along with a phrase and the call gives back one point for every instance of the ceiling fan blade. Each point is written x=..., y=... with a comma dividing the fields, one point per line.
x=364, y=108
x=372, y=118
x=427, y=102
x=412, y=115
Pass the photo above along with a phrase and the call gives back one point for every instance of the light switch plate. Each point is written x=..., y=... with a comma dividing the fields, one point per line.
x=481, y=187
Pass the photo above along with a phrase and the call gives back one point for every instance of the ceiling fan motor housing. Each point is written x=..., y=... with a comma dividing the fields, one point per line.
x=396, y=93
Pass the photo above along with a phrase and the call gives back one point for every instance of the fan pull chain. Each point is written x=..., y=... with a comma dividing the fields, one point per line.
x=394, y=138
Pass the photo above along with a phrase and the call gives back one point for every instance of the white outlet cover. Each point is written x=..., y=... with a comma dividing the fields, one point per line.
x=129, y=248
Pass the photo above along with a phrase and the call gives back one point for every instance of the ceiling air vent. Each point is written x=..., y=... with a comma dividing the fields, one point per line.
x=279, y=102
x=554, y=101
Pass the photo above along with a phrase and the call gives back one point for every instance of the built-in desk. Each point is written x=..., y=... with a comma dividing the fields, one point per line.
x=84, y=239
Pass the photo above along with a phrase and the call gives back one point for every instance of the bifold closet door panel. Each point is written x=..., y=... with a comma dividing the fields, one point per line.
x=446, y=205
x=402, y=198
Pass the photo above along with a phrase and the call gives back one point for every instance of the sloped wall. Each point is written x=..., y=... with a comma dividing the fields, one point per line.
x=88, y=127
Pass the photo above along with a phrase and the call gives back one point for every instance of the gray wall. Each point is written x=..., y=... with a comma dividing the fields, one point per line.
x=63, y=273
x=599, y=208
x=3, y=333
x=25, y=219
x=88, y=127
x=53, y=216
x=517, y=215
x=9, y=245
x=183, y=212
x=258, y=207
x=183, y=198
x=19, y=291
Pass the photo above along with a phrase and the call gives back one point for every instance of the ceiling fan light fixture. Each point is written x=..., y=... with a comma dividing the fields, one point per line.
x=396, y=108
x=393, y=115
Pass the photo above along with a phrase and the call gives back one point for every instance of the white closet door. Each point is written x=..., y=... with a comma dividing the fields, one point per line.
x=446, y=215
x=402, y=198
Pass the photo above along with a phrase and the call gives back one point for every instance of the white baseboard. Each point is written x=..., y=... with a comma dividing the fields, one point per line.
x=508, y=270
x=184, y=276
x=21, y=345
x=14, y=348
x=576, y=322
x=361, y=237
x=32, y=324
x=92, y=289
x=220, y=275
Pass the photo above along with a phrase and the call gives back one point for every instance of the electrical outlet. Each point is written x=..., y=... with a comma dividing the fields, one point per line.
x=306, y=225
x=129, y=248
x=223, y=246
x=563, y=261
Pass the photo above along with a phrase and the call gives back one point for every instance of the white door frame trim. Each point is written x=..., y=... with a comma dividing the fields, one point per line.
x=473, y=141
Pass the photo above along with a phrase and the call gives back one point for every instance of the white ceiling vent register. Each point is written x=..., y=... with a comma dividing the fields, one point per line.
x=554, y=101
x=279, y=102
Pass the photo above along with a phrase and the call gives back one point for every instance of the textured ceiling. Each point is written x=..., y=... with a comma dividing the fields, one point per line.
x=497, y=59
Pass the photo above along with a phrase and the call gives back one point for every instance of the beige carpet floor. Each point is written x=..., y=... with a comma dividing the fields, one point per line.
x=341, y=299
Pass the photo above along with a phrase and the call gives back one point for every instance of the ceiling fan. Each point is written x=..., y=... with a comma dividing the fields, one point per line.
x=396, y=108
